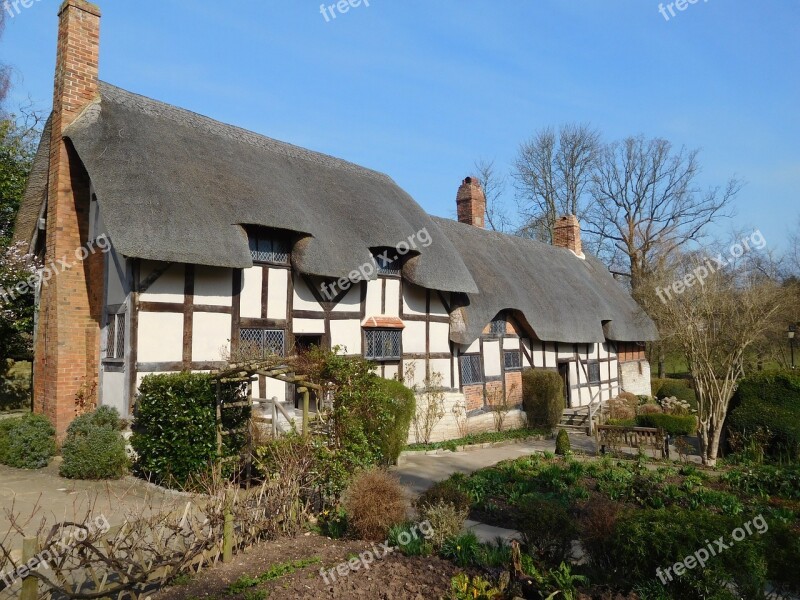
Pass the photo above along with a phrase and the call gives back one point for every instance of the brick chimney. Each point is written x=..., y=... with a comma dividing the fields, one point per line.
x=567, y=234
x=67, y=349
x=471, y=203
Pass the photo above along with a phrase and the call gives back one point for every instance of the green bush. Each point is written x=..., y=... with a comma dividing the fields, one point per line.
x=371, y=415
x=547, y=529
x=768, y=402
x=674, y=425
x=783, y=558
x=678, y=388
x=94, y=447
x=27, y=442
x=175, y=426
x=542, y=397
x=444, y=491
x=646, y=540
x=401, y=404
x=563, y=446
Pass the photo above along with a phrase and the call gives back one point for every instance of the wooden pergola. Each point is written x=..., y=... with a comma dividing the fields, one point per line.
x=246, y=371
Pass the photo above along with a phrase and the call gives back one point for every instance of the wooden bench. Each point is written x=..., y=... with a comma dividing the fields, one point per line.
x=633, y=437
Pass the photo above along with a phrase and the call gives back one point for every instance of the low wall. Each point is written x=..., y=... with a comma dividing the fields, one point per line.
x=635, y=377
x=456, y=424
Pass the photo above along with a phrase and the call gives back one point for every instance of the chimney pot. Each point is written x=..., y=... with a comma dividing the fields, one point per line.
x=471, y=203
x=567, y=234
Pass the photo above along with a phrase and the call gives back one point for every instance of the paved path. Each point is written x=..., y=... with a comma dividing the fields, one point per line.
x=33, y=496
x=420, y=471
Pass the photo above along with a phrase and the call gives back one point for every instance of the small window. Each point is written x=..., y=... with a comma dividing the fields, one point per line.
x=268, y=249
x=388, y=263
x=498, y=326
x=382, y=344
x=594, y=372
x=471, y=371
x=115, y=337
x=263, y=342
x=512, y=360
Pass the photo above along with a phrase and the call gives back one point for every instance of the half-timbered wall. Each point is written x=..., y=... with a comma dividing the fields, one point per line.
x=187, y=317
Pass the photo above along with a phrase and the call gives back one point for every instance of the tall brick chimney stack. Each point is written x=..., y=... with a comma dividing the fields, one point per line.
x=567, y=234
x=471, y=203
x=70, y=313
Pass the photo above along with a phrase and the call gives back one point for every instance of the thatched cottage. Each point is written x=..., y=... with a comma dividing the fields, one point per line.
x=219, y=238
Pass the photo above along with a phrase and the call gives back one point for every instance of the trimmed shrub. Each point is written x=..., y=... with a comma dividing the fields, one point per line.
x=631, y=399
x=563, y=446
x=768, y=402
x=174, y=432
x=28, y=442
x=673, y=425
x=401, y=405
x=94, y=447
x=443, y=491
x=374, y=502
x=542, y=397
x=547, y=529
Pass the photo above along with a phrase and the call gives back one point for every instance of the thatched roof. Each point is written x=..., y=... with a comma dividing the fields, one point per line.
x=35, y=194
x=559, y=296
x=176, y=186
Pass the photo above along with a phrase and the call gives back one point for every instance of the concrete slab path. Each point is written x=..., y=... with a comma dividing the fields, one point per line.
x=31, y=497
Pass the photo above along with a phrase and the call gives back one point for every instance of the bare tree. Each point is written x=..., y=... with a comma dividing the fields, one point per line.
x=552, y=174
x=793, y=256
x=647, y=204
x=714, y=319
x=494, y=185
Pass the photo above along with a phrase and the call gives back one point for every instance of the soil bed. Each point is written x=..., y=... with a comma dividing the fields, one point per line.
x=395, y=577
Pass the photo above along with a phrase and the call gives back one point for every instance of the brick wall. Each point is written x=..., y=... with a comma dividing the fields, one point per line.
x=67, y=349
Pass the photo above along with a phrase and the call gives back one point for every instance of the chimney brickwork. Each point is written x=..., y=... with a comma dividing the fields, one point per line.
x=567, y=234
x=471, y=203
x=67, y=352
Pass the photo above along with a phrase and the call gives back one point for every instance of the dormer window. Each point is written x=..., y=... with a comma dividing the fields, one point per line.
x=388, y=263
x=498, y=325
x=267, y=247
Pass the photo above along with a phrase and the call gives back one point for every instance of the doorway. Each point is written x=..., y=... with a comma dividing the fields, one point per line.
x=563, y=371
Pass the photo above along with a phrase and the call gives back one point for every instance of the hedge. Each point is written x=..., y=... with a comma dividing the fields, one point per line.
x=679, y=388
x=673, y=425
x=28, y=442
x=769, y=401
x=542, y=397
x=174, y=431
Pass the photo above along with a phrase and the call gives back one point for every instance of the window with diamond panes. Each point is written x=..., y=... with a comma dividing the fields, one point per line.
x=115, y=336
x=388, y=263
x=593, y=370
x=498, y=326
x=382, y=344
x=471, y=371
x=269, y=249
x=262, y=342
x=512, y=360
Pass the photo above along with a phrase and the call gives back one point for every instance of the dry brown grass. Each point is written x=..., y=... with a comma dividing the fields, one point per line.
x=375, y=502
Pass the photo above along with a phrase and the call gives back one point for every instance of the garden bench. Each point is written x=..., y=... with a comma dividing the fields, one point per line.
x=633, y=437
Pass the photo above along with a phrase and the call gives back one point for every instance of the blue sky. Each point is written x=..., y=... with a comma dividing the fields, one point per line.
x=419, y=89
